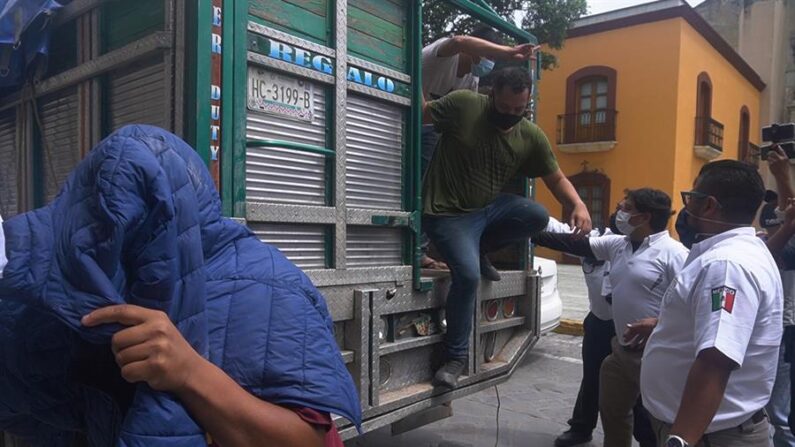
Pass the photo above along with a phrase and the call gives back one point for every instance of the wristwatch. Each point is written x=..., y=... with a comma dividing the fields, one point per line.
x=675, y=441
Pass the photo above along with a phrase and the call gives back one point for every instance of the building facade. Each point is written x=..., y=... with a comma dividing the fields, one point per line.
x=645, y=96
x=763, y=33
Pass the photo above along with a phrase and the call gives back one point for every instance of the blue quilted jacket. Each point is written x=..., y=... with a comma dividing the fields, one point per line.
x=139, y=222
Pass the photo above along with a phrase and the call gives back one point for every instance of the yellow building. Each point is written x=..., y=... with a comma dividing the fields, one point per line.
x=645, y=96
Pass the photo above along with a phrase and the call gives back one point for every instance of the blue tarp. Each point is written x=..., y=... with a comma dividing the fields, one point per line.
x=25, y=27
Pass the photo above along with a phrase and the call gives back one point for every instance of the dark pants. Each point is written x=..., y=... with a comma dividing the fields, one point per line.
x=461, y=238
x=595, y=348
x=429, y=140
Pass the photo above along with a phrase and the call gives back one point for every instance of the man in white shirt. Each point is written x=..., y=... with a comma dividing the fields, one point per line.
x=458, y=63
x=598, y=332
x=710, y=363
x=642, y=264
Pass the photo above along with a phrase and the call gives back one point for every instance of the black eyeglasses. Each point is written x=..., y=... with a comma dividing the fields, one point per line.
x=688, y=196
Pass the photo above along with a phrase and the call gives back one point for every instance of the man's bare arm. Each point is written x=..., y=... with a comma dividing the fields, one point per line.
x=426, y=113
x=484, y=48
x=706, y=384
x=565, y=193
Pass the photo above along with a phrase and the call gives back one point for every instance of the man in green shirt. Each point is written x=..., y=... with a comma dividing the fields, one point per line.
x=485, y=143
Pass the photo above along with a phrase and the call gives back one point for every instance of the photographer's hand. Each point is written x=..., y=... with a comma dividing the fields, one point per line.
x=779, y=165
x=778, y=241
x=778, y=162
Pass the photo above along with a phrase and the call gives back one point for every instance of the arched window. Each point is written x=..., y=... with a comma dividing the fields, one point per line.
x=704, y=100
x=594, y=190
x=708, y=131
x=590, y=106
x=743, y=153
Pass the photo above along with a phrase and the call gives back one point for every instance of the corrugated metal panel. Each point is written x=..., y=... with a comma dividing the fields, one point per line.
x=304, y=245
x=374, y=143
x=374, y=246
x=9, y=164
x=136, y=95
x=59, y=119
x=281, y=175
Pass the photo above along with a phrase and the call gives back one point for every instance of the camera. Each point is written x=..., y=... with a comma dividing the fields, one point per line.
x=782, y=135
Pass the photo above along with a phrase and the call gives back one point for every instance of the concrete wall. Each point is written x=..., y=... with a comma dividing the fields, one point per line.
x=763, y=32
x=724, y=16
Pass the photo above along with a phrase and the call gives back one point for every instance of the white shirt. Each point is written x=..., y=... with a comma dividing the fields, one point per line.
x=728, y=296
x=440, y=73
x=638, y=280
x=594, y=277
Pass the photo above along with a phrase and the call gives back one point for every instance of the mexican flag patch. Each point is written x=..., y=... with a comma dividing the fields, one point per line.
x=723, y=298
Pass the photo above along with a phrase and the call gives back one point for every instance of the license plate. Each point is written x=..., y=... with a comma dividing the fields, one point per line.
x=279, y=94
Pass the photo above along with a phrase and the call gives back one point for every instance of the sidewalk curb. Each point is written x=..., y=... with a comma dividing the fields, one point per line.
x=570, y=327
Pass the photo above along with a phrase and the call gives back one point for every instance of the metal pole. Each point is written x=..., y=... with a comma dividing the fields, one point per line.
x=416, y=138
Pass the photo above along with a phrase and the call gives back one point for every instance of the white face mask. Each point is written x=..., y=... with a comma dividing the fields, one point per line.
x=3, y=259
x=622, y=223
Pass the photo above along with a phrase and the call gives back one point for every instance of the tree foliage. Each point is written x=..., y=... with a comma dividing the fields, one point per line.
x=548, y=20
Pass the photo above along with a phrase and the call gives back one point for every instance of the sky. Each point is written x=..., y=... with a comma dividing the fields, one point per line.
x=600, y=6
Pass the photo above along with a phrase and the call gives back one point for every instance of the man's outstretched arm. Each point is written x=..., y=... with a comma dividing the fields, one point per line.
x=565, y=193
x=483, y=48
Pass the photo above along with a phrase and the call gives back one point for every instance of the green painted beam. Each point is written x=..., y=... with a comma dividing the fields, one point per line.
x=488, y=17
x=375, y=50
x=486, y=6
x=292, y=19
x=238, y=128
x=228, y=99
x=197, y=126
x=416, y=142
x=126, y=22
x=376, y=27
x=383, y=9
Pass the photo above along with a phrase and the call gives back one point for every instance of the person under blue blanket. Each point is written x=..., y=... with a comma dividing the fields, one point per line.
x=132, y=312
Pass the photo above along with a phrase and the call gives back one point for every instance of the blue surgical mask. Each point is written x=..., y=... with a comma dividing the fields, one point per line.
x=482, y=68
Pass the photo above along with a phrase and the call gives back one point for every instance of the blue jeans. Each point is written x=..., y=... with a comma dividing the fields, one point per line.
x=462, y=238
x=429, y=140
x=779, y=406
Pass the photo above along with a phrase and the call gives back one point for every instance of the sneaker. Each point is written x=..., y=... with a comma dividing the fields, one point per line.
x=487, y=270
x=572, y=438
x=447, y=375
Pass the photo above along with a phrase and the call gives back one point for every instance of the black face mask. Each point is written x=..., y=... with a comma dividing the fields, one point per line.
x=503, y=121
x=687, y=234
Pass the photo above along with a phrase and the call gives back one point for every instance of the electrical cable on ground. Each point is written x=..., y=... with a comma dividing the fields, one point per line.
x=499, y=404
